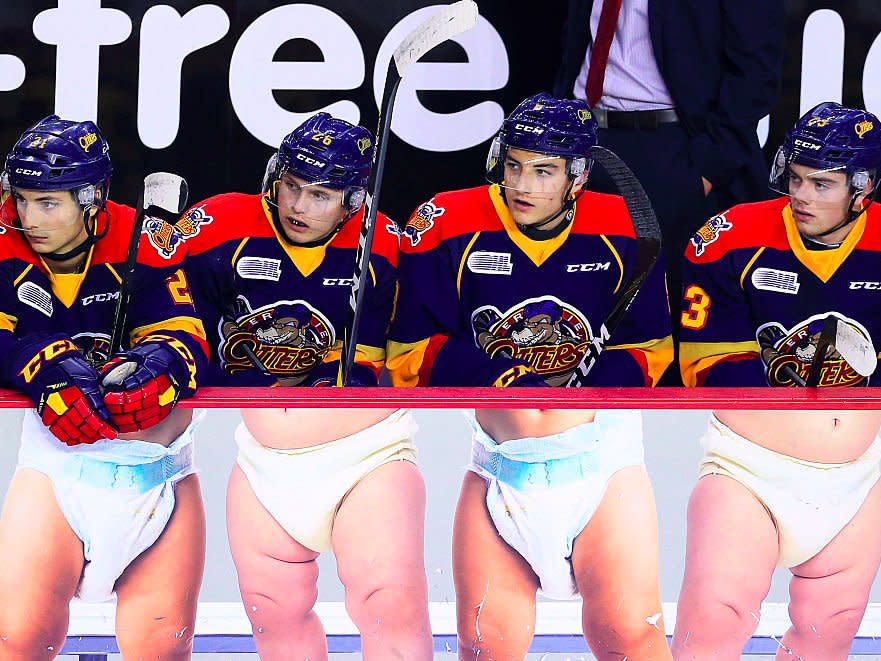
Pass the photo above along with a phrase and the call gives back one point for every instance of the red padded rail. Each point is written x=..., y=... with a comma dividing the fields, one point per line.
x=548, y=398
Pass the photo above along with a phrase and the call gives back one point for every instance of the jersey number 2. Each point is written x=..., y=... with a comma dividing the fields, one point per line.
x=178, y=288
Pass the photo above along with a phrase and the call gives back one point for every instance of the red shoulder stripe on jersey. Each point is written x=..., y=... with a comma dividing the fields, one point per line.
x=385, y=236
x=599, y=213
x=753, y=225
x=448, y=215
x=871, y=239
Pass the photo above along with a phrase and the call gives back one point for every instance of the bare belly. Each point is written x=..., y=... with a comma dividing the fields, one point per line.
x=509, y=424
x=166, y=431
x=289, y=429
x=828, y=437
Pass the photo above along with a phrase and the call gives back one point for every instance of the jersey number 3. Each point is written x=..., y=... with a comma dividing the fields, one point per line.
x=178, y=288
x=695, y=317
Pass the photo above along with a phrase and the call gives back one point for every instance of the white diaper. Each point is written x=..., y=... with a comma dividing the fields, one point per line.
x=542, y=492
x=116, y=495
x=810, y=502
x=303, y=488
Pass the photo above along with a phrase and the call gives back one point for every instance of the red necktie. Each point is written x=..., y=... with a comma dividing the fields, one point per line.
x=599, y=54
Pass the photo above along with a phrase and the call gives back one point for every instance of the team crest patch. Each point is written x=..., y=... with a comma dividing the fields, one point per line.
x=789, y=353
x=422, y=221
x=287, y=338
x=167, y=237
x=549, y=334
x=709, y=233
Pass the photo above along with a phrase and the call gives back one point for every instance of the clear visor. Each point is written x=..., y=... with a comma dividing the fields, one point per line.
x=39, y=213
x=310, y=202
x=781, y=175
x=543, y=177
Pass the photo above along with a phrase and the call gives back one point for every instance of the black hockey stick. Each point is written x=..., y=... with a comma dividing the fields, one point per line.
x=648, y=247
x=165, y=197
x=445, y=24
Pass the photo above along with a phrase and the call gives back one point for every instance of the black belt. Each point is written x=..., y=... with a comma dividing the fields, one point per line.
x=634, y=119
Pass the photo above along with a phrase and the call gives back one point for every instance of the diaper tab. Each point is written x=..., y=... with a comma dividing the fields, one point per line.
x=527, y=474
x=139, y=477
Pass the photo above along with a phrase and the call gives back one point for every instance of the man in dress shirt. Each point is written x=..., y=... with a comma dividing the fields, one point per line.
x=678, y=99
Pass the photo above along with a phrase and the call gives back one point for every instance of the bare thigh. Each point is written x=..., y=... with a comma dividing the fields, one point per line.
x=42, y=561
x=158, y=592
x=615, y=562
x=495, y=586
x=731, y=552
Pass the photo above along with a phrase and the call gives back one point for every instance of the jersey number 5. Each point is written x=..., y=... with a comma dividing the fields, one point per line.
x=695, y=317
x=178, y=288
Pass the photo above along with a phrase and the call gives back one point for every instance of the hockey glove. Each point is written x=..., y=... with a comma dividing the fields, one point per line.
x=53, y=372
x=142, y=385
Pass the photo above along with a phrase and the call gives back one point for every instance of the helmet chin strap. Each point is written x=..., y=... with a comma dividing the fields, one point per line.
x=536, y=232
x=91, y=238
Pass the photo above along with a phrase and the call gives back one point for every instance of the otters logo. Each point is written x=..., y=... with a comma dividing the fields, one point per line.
x=709, y=232
x=549, y=334
x=788, y=352
x=421, y=221
x=166, y=237
x=288, y=338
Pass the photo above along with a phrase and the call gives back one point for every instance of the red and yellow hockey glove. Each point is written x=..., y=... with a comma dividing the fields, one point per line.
x=142, y=385
x=53, y=372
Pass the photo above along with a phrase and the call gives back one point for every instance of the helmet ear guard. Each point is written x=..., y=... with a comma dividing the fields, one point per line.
x=353, y=199
x=494, y=161
x=270, y=174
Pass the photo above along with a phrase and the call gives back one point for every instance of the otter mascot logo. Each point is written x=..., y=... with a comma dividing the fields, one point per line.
x=549, y=334
x=791, y=352
x=288, y=339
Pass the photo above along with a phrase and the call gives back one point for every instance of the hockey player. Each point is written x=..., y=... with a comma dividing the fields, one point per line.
x=105, y=498
x=797, y=489
x=272, y=275
x=506, y=285
x=761, y=278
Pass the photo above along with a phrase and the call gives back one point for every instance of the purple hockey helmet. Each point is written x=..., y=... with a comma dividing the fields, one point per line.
x=59, y=154
x=327, y=151
x=831, y=137
x=547, y=125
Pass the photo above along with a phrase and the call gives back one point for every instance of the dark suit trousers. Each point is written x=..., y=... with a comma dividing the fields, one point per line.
x=661, y=162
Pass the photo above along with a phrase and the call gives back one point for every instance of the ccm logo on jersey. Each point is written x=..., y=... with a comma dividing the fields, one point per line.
x=329, y=282
x=588, y=268
x=101, y=298
x=875, y=286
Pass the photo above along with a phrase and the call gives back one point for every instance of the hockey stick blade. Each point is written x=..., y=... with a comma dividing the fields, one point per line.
x=855, y=349
x=648, y=247
x=445, y=24
x=164, y=196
